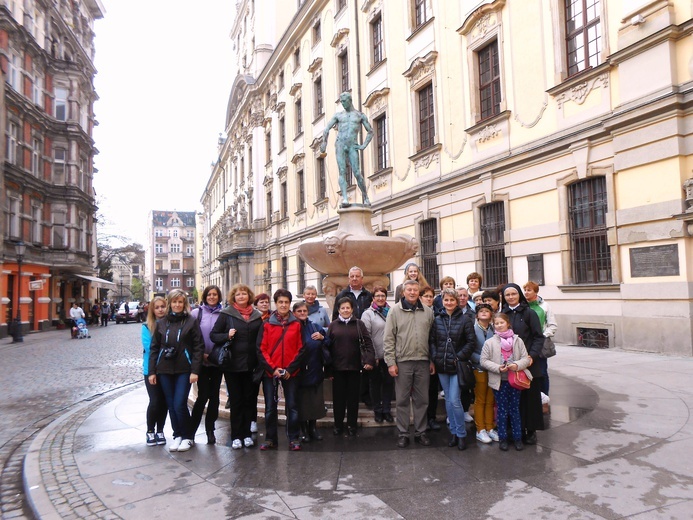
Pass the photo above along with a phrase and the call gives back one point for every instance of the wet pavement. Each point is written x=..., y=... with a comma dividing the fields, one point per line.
x=618, y=444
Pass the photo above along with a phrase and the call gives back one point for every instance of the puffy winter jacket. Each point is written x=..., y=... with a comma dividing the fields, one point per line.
x=244, y=343
x=312, y=373
x=451, y=338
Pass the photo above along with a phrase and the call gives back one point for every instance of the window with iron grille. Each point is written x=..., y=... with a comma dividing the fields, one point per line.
x=428, y=233
x=301, y=274
x=344, y=71
x=301, y=189
x=427, y=129
x=590, y=251
x=321, y=180
x=377, y=39
x=381, y=142
x=420, y=15
x=583, y=34
x=319, y=105
x=494, y=263
x=285, y=269
x=489, y=80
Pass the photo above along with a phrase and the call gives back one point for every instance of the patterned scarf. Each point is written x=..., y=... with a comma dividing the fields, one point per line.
x=381, y=311
x=506, y=343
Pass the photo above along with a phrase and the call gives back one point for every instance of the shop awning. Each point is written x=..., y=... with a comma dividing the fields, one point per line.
x=99, y=281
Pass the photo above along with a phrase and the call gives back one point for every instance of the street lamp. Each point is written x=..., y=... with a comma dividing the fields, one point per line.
x=20, y=249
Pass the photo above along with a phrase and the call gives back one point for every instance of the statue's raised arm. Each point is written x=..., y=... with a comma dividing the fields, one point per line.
x=347, y=147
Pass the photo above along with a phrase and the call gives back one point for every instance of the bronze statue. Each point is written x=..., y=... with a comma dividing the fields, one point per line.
x=348, y=127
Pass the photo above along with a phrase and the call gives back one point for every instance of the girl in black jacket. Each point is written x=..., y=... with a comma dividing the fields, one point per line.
x=525, y=323
x=451, y=341
x=175, y=359
x=240, y=323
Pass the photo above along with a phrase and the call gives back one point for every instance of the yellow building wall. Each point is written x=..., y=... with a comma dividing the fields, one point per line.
x=538, y=209
x=647, y=184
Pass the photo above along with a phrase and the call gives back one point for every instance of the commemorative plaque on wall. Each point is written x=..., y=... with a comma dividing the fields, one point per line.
x=654, y=261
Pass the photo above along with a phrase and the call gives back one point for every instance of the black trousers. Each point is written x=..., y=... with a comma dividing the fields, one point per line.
x=243, y=399
x=345, y=393
x=208, y=385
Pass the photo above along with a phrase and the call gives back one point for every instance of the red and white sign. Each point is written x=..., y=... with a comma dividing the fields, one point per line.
x=35, y=285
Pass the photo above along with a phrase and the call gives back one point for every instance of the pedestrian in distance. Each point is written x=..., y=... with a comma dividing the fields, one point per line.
x=156, y=408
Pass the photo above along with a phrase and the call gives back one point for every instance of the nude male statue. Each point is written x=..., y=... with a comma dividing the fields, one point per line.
x=348, y=125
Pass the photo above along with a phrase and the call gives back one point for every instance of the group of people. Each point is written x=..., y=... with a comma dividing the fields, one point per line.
x=408, y=350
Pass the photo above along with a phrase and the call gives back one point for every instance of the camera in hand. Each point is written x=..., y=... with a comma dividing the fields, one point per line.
x=169, y=352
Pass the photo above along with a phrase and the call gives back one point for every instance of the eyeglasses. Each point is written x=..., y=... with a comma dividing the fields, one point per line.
x=301, y=311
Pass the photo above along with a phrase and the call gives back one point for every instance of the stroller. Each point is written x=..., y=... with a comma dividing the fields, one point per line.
x=82, y=330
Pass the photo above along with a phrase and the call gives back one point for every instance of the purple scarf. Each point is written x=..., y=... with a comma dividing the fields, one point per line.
x=506, y=343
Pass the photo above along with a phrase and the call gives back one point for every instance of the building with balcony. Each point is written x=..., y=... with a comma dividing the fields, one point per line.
x=539, y=140
x=170, y=253
x=46, y=56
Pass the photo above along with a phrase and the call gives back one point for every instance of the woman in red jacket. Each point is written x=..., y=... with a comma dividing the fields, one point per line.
x=280, y=349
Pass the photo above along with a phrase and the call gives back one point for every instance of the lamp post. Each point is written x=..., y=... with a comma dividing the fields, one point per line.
x=20, y=249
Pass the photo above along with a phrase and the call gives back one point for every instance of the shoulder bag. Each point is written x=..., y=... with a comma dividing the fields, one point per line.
x=520, y=380
x=220, y=354
x=549, y=348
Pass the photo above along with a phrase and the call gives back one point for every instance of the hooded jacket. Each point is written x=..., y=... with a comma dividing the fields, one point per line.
x=525, y=323
x=451, y=339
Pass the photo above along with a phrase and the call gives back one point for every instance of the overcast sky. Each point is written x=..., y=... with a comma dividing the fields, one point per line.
x=163, y=81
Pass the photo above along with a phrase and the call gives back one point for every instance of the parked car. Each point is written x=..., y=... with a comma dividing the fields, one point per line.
x=132, y=315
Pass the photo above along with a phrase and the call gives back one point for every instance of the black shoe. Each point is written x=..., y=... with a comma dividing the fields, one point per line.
x=531, y=438
x=503, y=445
x=211, y=439
x=403, y=441
x=304, y=432
x=351, y=432
x=388, y=417
x=519, y=446
x=378, y=417
x=313, y=432
x=462, y=444
x=422, y=439
x=453, y=441
x=338, y=430
x=433, y=425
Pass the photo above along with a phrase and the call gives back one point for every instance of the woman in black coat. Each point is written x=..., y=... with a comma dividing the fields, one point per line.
x=525, y=323
x=240, y=323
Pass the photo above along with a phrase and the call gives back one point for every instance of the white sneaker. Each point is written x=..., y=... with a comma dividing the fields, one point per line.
x=248, y=442
x=468, y=418
x=482, y=436
x=236, y=444
x=493, y=434
x=185, y=445
x=253, y=427
x=175, y=444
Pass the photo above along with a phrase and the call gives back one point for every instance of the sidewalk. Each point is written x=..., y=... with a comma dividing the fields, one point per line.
x=618, y=444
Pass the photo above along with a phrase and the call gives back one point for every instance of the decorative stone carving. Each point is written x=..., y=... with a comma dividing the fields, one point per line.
x=315, y=65
x=377, y=101
x=295, y=90
x=421, y=68
x=688, y=187
x=298, y=160
x=424, y=162
x=281, y=173
x=338, y=37
x=315, y=146
x=579, y=92
x=489, y=132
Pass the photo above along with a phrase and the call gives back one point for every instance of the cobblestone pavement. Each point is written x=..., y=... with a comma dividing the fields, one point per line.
x=44, y=377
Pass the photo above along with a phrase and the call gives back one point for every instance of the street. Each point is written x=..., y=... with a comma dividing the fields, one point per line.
x=46, y=375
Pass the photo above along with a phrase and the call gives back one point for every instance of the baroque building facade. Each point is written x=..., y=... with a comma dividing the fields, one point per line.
x=543, y=140
x=170, y=252
x=46, y=56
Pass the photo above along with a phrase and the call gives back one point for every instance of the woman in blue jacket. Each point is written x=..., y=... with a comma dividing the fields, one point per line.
x=156, y=409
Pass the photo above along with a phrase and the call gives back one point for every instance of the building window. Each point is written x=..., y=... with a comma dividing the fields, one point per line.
x=59, y=155
x=175, y=282
x=158, y=233
x=268, y=277
x=13, y=218
x=590, y=252
x=381, y=142
x=282, y=133
x=343, y=62
x=285, y=269
x=175, y=248
x=189, y=250
x=158, y=248
x=61, y=104
x=175, y=265
x=284, y=191
x=489, y=80
x=190, y=282
x=494, y=263
x=37, y=90
x=301, y=275
x=321, y=180
x=317, y=32
x=36, y=234
x=250, y=161
x=159, y=283
x=12, y=143
x=268, y=147
x=427, y=130
x=583, y=34
x=421, y=15
x=269, y=208
x=280, y=81
x=428, y=230
x=377, y=39
x=299, y=117
x=297, y=59
x=59, y=237
x=341, y=4
x=36, y=157
x=301, y=190
x=175, y=233
x=319, y=105
x=83, y=234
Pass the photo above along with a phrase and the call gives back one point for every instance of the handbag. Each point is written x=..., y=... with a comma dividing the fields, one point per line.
x=220, y=354
x=549, y=348
x=520, y=380
x=465, y=375
x=362, y=345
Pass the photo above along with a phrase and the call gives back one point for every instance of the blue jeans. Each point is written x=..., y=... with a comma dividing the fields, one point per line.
x=176, y=388
x=292, y=425
x=453, y=404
